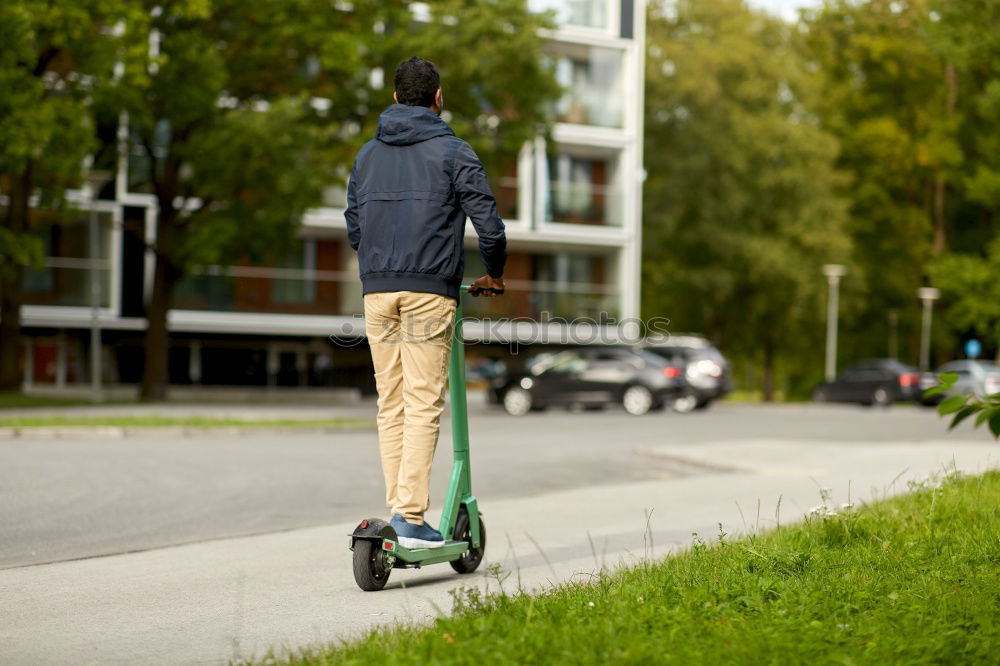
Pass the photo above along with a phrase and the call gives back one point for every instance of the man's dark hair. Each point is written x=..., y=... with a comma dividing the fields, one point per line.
x=417, y=81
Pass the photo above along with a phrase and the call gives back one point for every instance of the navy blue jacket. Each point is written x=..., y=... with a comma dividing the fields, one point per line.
x=411, y=188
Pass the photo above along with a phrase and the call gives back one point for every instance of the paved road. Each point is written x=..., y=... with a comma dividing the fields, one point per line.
x=72, y=498
x=209, y=601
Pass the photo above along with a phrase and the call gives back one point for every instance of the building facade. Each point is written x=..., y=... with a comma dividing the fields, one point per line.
x=572, y=206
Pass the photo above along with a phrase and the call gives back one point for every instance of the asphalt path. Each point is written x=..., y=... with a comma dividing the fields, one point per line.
x=81, y=497
x=195, y=549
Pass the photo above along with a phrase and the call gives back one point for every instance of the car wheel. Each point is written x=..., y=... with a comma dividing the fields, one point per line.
x=881, y=397
x=684, y=404
x=819, y=395
x=517, y=401
x=637, y=400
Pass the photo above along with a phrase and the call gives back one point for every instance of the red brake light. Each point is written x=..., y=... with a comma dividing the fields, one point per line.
x=909, y=379
x=672, y=371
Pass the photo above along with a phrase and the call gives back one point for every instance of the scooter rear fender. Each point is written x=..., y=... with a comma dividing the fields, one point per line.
x=373, y=529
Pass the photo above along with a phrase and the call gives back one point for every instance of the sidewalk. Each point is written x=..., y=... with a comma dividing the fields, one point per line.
x=238, y=598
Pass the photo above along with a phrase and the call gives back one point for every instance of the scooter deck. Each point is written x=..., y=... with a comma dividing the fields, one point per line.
x=451, y=550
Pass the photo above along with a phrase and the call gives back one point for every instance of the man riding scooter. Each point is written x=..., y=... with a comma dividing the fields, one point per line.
x=411, y=188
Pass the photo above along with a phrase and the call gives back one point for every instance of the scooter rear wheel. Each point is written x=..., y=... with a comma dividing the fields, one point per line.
x=471, y=559
x=371, y=570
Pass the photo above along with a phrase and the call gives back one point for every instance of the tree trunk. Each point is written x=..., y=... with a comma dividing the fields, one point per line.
x=156, y=371
x=767, y=386
x=10, y=331
x=12, y=289
x=951, y=80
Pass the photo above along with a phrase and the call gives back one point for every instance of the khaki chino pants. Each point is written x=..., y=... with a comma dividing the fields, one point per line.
x=410, y=336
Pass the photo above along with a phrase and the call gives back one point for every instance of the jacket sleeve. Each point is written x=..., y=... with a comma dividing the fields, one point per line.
x=351, y=214
x=476, y=198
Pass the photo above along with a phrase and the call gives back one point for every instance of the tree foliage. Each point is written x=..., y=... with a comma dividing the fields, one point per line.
x=741, y=209
x=56, y=59
x=906, y=89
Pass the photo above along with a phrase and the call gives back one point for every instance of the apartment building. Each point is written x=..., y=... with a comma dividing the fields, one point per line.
x=572, y=207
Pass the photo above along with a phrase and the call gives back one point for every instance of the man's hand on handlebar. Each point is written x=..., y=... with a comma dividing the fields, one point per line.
x=486, y=286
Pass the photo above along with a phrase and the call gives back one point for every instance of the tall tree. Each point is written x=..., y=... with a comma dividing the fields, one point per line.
x=741, y=209
x=967, y=35
x=247, y=111
x=891, y=101
x=971, y=287
x=56, y=56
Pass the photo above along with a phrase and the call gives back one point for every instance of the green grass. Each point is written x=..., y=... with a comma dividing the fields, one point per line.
x=16, y=400
x=153, y=421
x=910, y=580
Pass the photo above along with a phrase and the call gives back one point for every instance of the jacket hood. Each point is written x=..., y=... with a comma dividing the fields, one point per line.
x=402, y=125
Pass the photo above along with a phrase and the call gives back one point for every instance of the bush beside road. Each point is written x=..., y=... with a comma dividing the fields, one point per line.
x=912, y=579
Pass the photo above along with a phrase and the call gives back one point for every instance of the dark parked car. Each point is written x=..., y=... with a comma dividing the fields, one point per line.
x=588, y=377
x=704, y=369
x=875, y=382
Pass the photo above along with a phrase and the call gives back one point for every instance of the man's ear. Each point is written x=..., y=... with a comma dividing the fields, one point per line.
x=394, y=98
x=438, y=99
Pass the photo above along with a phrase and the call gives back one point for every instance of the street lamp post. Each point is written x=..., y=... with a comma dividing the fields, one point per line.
x=927, y=295
x=96, y=179
x=893, y=334
x=833, y=273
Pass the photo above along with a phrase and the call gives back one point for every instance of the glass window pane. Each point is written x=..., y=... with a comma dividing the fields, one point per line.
x=587, y=13
x=65, y=277
x=299, y=289
x=106, y=155
x=592, y=79
x=140, y=166
x=308, y=282
x=506, y=191
x=582, y=189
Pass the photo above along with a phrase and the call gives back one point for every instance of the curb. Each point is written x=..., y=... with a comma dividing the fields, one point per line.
x=117, y=432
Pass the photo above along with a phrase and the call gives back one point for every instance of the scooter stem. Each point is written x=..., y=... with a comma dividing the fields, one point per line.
x=460, y=486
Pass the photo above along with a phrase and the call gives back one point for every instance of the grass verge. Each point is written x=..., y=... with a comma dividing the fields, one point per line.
x=153, y=421
x=17, y=400
x=908, y=580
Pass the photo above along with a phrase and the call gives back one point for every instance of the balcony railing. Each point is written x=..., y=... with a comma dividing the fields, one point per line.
x=322, y=292
x=66, y=281
x=584, y=203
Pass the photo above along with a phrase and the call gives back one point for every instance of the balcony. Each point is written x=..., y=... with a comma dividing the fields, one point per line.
x=592, y=78
x=582, y=189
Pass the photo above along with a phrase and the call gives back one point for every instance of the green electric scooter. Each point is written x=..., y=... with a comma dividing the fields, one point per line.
x=376, y=550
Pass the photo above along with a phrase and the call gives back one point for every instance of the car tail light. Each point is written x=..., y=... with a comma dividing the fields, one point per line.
x=909, y=379
x=672, y=372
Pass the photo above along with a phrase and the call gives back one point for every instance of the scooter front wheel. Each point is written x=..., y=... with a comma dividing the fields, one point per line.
x=371, y=569
x=471, y=558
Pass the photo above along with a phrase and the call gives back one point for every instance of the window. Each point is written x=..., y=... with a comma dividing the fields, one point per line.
x=65, y=277
x=592, y=79
x=105, y=158
x=301, y=288
x=308, y=281
x=586, y=13
x=140, y=165
x=580, y=189
x=506, y=191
